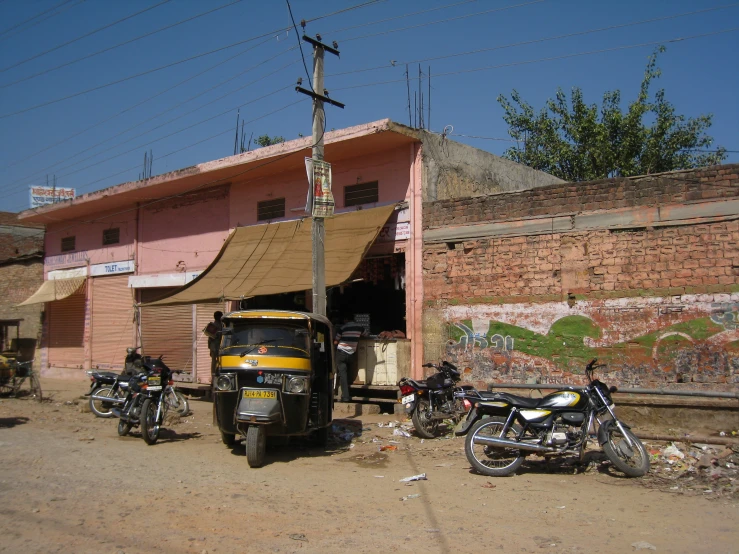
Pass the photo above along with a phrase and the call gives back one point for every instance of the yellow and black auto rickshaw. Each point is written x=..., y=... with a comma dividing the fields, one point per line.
x=274, y=378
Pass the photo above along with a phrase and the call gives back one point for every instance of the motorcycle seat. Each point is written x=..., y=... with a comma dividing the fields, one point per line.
x=518, y=401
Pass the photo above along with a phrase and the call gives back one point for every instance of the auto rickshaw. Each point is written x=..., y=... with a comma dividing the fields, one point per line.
x=274, y=377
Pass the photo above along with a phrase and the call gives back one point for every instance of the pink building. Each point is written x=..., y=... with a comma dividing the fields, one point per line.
x=110, y=251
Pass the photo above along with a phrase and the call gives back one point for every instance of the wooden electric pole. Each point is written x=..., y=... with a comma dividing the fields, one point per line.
x=319, y=129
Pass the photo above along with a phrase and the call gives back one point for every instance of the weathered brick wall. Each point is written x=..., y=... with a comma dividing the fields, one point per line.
x=659, y=304
x=665, y=188
x=18, y=281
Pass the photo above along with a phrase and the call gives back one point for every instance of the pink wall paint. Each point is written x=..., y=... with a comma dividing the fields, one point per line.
x=414, y=261
x=183, y=233
x=389, y=168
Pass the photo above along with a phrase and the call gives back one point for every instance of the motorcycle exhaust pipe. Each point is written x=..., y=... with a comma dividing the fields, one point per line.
x=492, y=441
x=108, y=399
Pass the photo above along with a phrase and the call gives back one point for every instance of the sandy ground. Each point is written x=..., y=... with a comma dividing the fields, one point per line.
x=69, y=483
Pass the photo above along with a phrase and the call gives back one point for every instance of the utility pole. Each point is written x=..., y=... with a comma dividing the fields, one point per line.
x=319, y=95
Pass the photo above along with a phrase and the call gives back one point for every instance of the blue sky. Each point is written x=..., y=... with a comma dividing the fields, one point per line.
x=98, y=139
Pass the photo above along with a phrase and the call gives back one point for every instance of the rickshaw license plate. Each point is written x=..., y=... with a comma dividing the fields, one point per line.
x=260, y=394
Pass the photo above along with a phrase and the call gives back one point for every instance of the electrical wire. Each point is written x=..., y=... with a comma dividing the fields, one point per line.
x=41, y=20
x=148, y=72
x=93, y=54
x=553, y=58
x=300, y=44
x=447, y=20
x=55, y=165
x=6, y=31
x=72, y=41
x=536, y=41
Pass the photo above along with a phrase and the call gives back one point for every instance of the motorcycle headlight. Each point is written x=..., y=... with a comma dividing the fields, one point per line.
x=296, y=385
x=225, y=383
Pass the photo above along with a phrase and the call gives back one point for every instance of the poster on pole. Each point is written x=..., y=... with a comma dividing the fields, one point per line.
x=320, y=201
x=41, y=196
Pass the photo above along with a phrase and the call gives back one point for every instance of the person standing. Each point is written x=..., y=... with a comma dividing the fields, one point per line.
x=346, y=341
x=213, y=341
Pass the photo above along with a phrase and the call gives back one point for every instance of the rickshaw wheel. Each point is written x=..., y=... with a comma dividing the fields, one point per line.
x=321, y=436
x=228, y=439
x=256, y=445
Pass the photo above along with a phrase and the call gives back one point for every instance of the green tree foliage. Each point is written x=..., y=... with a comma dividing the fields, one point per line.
x=266, y=140
x=579, y=142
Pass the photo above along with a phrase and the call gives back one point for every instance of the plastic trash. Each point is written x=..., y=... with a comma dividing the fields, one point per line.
x=420, y=477
x=643, y=545
x=673, y=450
x=388, y=448
x=401, y=433
x=403, y=499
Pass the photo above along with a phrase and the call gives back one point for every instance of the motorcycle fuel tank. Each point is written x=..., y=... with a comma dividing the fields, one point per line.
x=564, y=399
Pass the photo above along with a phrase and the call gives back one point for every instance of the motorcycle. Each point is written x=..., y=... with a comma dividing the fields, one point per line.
x=145, y=403
x=432, y=401
x=107, y=385
x=501, y=428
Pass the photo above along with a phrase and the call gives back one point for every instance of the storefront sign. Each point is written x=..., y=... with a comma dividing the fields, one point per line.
x=395, y=231
x=113, y=268
x=161, y=280
x=41, y=196
x=320, y=201
x=73, y=259
x=67, y=273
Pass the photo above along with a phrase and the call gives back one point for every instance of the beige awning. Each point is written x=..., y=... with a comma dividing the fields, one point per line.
x=54, y=289
x=277, y=257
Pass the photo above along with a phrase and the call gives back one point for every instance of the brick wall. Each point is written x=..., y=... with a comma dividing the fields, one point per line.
x=660, y=304
x=18, y=281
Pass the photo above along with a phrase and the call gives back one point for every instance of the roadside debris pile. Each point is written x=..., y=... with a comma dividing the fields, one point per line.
x=345, y=430
x=695, y=468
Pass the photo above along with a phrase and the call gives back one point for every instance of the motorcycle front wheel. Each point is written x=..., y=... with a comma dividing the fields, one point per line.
x=99, y=407
x=124, y=428
x=633, y=461
x=149, y=425
x=487, y=459
x=426, y=427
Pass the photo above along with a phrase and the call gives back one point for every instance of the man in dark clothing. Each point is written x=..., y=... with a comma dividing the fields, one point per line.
x=214, y=341
x=346, y=341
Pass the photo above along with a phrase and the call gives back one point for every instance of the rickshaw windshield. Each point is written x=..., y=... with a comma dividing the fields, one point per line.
x=266, y=339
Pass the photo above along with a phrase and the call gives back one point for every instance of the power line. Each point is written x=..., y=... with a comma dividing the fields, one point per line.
x=191, y=58
x=447, y=20
x=300, y=44
x=109, y=25
x=6, y=31
x=535, y=41
x=41, y=171
x=42, y=19
x=92, y=55
x=553, y=58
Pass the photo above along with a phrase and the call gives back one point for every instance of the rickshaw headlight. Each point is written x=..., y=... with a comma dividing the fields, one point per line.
x=296, y=385
x=224, y=383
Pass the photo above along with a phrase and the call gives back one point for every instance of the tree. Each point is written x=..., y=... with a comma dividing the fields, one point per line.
x=266, y=140
x=578, y=142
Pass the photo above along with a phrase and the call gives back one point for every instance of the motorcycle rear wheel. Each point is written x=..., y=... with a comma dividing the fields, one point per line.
x=634, y=462
x=99, y=407
x=492, y=460
x=179, y=403
x=124, y=428
x=150, y=427
x=426, y=427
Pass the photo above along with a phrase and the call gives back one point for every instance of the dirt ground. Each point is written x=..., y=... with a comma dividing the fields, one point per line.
x=69, y=483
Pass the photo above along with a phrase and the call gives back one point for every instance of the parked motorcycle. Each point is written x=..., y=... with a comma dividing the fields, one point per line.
x=107, y=385
x=145, y=403
x=503, y=428
x=432, y=401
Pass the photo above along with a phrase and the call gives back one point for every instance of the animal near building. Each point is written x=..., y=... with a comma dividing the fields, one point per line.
x=148, y=262
x=642, y=273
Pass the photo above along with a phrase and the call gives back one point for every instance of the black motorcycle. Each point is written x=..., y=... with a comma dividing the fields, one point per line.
x=503, y=428
x=432, y=401
x=106, y=387
x=145, y=403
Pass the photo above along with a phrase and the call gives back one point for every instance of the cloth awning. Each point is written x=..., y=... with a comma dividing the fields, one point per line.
x=277, y=257
x=54, y=289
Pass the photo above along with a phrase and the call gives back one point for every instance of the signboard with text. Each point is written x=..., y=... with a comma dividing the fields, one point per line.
x=320, y=202
x=113, y=268
x=41, y=196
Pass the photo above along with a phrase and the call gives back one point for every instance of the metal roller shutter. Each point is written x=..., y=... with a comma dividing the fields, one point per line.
x=112, y=321
x=67, y=330
x=168, y=331
x=204, y=316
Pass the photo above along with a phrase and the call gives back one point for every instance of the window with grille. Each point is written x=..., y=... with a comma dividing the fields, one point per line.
x=68, y=244
x=270, y=209
x=111, y=236
x=364, y=193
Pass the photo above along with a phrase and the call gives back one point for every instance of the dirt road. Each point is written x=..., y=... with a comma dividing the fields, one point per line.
x=68, y=483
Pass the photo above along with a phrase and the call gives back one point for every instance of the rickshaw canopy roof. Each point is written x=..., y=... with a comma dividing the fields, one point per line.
x=276, y=314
